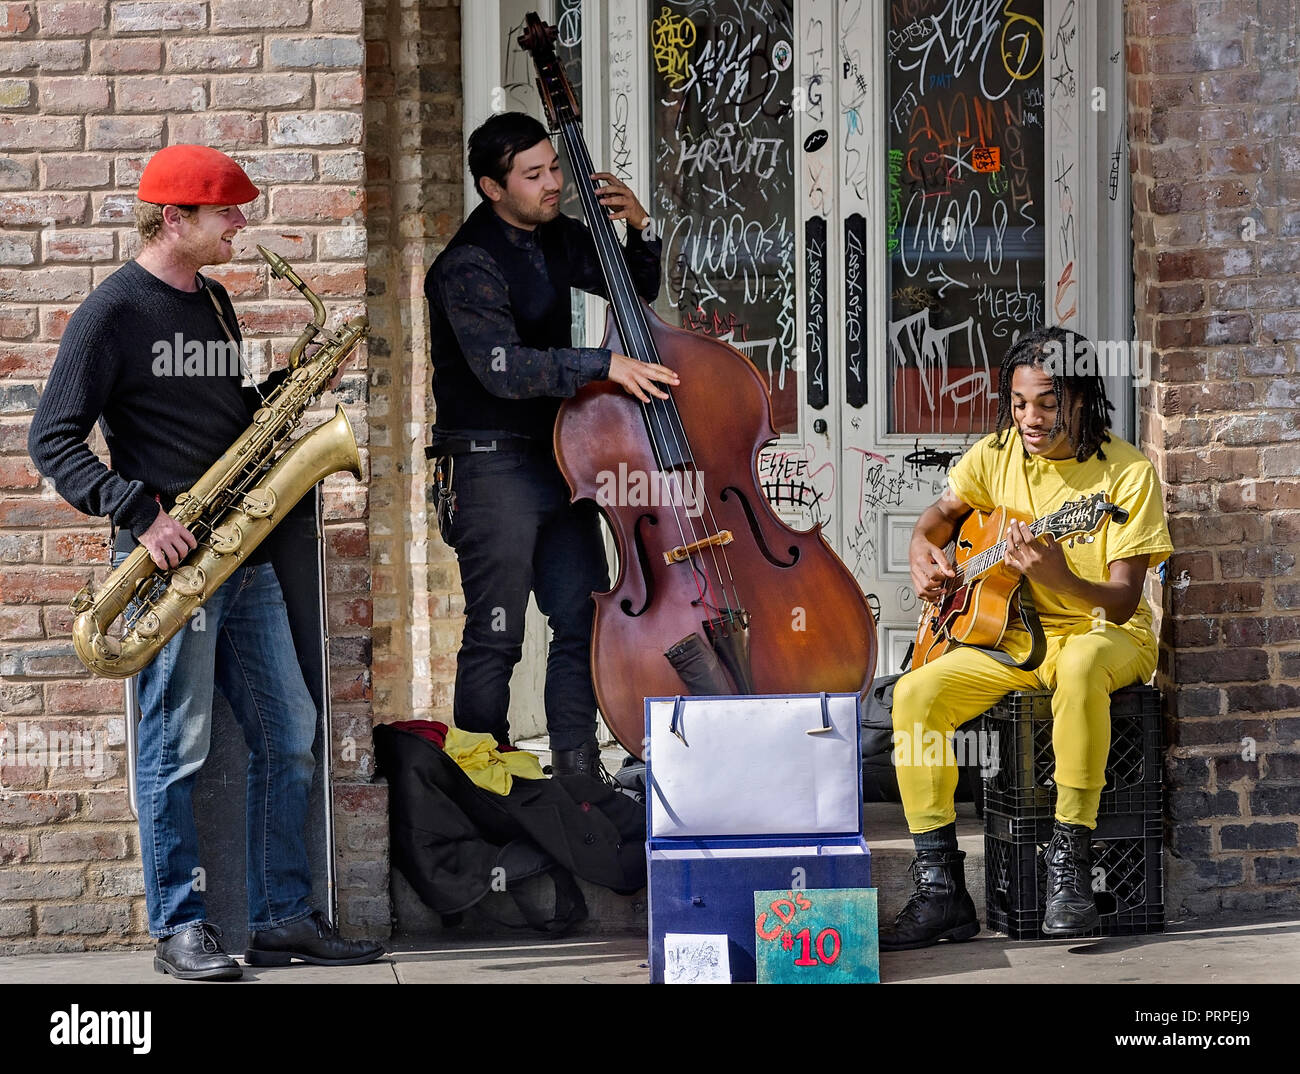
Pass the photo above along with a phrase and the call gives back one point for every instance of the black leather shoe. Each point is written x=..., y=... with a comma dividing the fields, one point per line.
x=312, y=939
x=940, y=908
x=1071, y=909
x=195, y=954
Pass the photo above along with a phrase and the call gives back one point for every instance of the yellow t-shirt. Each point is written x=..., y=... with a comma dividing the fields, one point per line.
x=986, y=478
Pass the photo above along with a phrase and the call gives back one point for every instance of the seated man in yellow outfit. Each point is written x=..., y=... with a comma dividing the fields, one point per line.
x=1050, y=446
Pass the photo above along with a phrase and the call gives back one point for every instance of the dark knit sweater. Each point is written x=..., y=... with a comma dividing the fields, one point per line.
x=163, y=430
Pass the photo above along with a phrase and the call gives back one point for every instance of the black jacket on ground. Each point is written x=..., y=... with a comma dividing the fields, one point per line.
x=448, y=833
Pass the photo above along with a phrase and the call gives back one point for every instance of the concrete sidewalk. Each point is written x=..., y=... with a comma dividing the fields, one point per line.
x=1248, y=951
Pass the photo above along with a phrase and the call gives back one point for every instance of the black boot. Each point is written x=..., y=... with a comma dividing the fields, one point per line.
x=583, y=761
x=940, y=908
x=310, y=939
x=1071, y=910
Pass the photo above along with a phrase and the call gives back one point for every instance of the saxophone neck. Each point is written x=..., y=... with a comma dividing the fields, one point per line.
x=281, y=269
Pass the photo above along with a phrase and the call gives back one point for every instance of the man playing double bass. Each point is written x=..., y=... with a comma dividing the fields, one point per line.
x=503, y=360
x=1050, y=446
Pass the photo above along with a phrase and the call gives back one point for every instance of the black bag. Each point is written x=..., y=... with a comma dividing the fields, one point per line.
x=879, y=778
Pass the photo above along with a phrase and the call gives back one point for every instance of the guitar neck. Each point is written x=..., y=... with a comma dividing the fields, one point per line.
x=981, y=564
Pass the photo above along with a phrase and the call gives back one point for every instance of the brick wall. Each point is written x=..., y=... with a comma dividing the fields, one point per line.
x=88, y=91
x=1214, y=92
x=414, y=163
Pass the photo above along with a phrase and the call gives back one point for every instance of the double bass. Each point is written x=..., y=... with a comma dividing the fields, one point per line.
x=715, y=593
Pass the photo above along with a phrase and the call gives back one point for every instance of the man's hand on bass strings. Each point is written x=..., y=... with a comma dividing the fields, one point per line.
x=616, y=195
x=168, y=541
x=639, y=378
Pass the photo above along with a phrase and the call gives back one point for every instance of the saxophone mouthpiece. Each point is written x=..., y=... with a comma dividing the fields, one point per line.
x=279, y=266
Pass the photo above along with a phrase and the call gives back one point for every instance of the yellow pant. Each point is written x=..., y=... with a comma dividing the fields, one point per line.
x=1082, y=669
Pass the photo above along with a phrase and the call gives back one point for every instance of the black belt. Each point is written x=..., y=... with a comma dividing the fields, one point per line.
x=455, y=445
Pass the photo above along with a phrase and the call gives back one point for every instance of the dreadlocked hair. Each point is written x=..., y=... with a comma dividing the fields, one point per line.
x=1054, y=351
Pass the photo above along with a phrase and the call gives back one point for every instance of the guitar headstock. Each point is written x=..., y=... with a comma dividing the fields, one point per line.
x=558, y=98
x=1082, y=516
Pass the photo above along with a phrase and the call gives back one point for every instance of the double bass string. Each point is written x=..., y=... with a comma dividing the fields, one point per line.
x=618, y=283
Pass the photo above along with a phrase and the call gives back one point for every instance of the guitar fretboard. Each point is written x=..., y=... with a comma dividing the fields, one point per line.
x=991, y=557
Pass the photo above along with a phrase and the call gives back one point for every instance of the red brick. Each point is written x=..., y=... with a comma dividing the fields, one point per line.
x=83, y=846
x=48, y=285
x=125, y=132
x=316, y=204
x=138, y=54
x=74, y=171
x=15, y=18
x=90, y=695
x=41, y=585
x=23, y=810
x=36, y=512
x=1260, y=495
x=151, y=15
x=77, y=547
x=81, y=95
x=18, y=473
x=151, y=93
x=1218, y=597
x=76, y=245
x=214, y=54
x=338, y=15
x=39, y=132
x=20, y=623
x=221, y=130
x=71, y=19
x=54, y=319
x=17, y=323
x=269, y=91
x=257, y=14
x=14, y=849
x=339, y=91
x=348, y=542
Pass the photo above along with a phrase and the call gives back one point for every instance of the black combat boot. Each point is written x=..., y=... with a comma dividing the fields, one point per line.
x=583, y=761
x=1071, y=910
x=940, y=908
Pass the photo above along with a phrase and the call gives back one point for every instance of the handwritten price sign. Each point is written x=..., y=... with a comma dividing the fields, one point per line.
x=817, y=937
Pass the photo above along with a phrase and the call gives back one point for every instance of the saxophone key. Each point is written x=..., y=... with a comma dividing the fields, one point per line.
x=260, y=503
x=147, y=625
x=226, y=539
x=189, y=580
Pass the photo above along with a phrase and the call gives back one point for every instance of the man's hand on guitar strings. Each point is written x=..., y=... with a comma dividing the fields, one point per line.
x=930, y=569
x=1038, y=559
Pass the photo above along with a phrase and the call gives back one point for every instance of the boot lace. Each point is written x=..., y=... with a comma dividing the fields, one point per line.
x=921, y=890
x=1067, y=870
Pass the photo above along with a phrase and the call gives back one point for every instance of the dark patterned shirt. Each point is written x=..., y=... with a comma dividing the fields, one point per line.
x=477, y=303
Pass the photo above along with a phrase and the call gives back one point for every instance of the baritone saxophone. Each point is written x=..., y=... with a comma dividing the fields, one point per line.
x=243, y=496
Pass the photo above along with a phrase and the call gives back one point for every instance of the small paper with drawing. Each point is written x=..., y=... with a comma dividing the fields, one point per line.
x=690, y=959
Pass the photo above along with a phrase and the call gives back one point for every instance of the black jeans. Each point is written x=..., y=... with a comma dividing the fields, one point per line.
x=516, y=532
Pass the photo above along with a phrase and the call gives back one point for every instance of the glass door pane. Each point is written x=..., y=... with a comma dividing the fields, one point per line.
x=966, y=243
x=723, y=180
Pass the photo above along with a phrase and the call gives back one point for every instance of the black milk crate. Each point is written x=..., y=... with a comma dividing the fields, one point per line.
x=1022, y=785
x=1127, y=869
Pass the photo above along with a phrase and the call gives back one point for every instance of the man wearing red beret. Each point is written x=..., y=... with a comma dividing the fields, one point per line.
x=166, y=422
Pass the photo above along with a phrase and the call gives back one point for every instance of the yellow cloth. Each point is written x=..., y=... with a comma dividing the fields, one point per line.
x=488, y=767
x=1086, y=660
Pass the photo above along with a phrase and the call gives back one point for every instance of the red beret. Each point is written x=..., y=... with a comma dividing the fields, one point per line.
x=194, y=175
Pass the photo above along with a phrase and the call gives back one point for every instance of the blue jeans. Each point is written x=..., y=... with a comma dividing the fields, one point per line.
x=241, y=644
x=516, y=532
